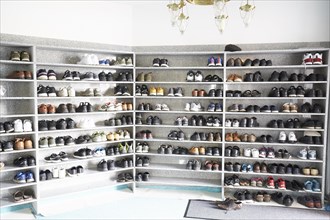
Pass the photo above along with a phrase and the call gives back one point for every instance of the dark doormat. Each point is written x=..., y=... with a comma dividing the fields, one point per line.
x=206, y=209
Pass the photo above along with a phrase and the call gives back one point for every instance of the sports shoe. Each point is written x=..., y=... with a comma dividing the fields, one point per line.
x=42, y=74
x=317, y=58
x=308, y=59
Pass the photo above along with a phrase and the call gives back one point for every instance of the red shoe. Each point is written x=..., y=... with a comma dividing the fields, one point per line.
x=281, y=183
x=270, y=182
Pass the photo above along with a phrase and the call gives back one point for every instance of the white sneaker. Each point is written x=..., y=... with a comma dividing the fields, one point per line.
x=55, y=172
x=71, y=92
x=94, y=59
x=158, y=107
x=235, y=123
x=145, y=148
x=255, y=152
x=129, y=62
x=119, y=107
x=127, y=135
x=292, y=137
x=187, y=108
x=27, y=125
x=228, y=123
x=111, y=107
x=317, y=59
x=85, y=60
x=63, y=92
x=138, y=148
x=282, y=137
x=18, y=125
x=308, y=59
x=61, y=173
x=198, y=77
x=83, y=123
x=194, y=107
x=247, y=152
x=165, y=107
x=302, y=154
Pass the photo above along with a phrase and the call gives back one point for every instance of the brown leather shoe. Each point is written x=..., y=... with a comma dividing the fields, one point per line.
x=236, y=137
x=237, y=78
x=124, y=106
x=217, y=136
x=28, y=144
x=62, y=108
x=27, y=75
x=252, y=138
x=129, y=106
x=17, y=75
x=256, y=167
x=244, y=137
x=51, y=109
x=201, y=150
x=293, y=107
x=194, y=93
x=19, y=144
x=263, y=168
x=229, y=137
x=231, y=78
x=42, y=109
x=194, y=151
x=201, y=93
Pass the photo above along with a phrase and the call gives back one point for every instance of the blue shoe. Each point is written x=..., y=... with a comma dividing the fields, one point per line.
x=20, y=178
x=249, y=168
x=244, y=168
x=29, y=176
x=211, y=107
x=218, y=107
x=308, y=185
x=316, y=186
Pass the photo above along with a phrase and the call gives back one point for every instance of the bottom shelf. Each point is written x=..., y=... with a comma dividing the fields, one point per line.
x=154, y=180
x=9, y=201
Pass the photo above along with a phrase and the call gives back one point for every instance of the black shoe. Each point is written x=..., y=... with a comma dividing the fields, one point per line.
x=280, y=124
x=309, y=123
x=262, y=62
x=248, y=77
x=82, y=107
x=70, y=124
x=317, y=140
x=311, y=77
x=283, y=92
x=42, y=124
x=118, y=90
x=156, y=120
x=255, y=62
x=257, y=77
x=293, y=77
x=317, y=108
x=211, y=93
x=292, y=91
x=121, y=77
x=173, y=135
x=274, y=92
x=230, y=62
x=284, y=76
x=129, y=76
x=307, y=140
x=61, y=124
x=310, y=93
x=164, y=63
x=265, y=108
x=247, y=62
x=109, y=77
x=262, y=139
x=318, y=93
x=320, y=77
x=301, y=77
x=195, y=137
x=269, y=63
x=208, y=78
x=272, y=124
x=289, y=123
x=274, y=77
x=300, y=92
x=156, y=62
x=125, y=91
x=296, y=123
x=238, y=62
x=102, y=76
x=218, y=93
x=306, y=108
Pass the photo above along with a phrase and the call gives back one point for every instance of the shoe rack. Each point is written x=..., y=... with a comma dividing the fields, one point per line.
x=171, y=169
x=22, y=101
x=161, y=169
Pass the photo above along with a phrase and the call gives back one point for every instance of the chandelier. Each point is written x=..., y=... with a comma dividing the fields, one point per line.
x=179, y=12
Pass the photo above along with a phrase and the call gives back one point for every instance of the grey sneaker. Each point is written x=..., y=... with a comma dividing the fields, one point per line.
x=51, y=142
x=43, y=142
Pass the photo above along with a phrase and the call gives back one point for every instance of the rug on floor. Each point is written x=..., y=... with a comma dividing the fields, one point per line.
x=206, y=209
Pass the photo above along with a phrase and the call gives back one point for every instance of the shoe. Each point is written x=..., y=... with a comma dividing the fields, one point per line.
x=317, y=59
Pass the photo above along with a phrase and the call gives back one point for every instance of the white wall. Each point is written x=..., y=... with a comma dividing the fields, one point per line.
x=143, y=23
x=274, y=22
x=92, y=21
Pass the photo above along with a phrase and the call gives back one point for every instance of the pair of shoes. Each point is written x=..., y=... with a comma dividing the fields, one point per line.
x=121, y=91
x=144, y=107
x=270, y=153
x=315, y=77
x=43, y=74
x=105, y=165
x=214, y=107
x=212, y=165
x=266, y=139
x=290, y=107
x=142, y=177
x=230, y=137
x=175, y=92
x=286, y=200
x=123, y=120
x=161, y=107
x=25, y=161
x=124, y=177
x=181, y=121
x=145, y=134
x=276, y=76
x=312, y=186
x=197, y=151
x=144, y=77
x=198, y=93
x=106, y=76
x=48, y=109
x=124, y=77
x=153, y=120
x=307, y=153
x=120, y=61
x=248, y=137
x=310, y=59
x=253, y=77
x=232, y=151
x=159, y=91
x=193, y=165
x=176, y=135
x=248, y=152
x=236, y=108
x=142, y=161
x=160, y=62
x=22, y=196
x=195, y=107
x=20, y=75
x=214, y=61
x=291, y=138
x=244, y=195
x=214, y=78
x=66, y=92
x=308, y=108
x=93, y=92
x=310, y=201
x=24, y=177
x=213, y=121
x=75, y=171
x=194, y=76
x=56, y=158
x=143, y=90
x=165, y=149
x=89, y=59
x=234, y=78
x=120, y=106
x=20, y=56
x=291, y=92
